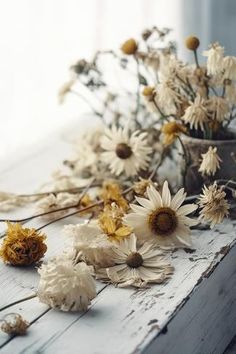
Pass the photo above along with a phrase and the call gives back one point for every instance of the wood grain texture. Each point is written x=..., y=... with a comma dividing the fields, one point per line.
x=195, y=302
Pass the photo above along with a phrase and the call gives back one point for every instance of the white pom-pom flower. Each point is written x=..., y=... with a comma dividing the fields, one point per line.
x=66, y=286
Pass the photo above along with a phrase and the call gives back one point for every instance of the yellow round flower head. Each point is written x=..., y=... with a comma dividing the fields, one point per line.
x=22, y=246
x=148, y=91
x=171, y=130
x=129, y=47
x=192, y=43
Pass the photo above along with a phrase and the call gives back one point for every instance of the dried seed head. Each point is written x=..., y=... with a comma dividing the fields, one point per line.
x=134, y=260
x=123, y=151
x=129, y=47
x=192, y=43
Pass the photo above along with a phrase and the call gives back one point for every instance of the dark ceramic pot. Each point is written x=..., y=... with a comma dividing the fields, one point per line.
x=226, y=149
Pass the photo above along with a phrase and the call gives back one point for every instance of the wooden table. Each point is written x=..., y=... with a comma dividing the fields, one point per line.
x=194, y=313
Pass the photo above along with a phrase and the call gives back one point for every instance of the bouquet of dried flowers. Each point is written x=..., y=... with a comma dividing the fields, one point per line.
x=117, y=180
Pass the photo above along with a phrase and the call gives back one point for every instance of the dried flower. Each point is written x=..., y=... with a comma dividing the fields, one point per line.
x=196, y=114
x=218, y=107
x=14, y=324
x=210, y=162
x=214, y=56
x=167, y=98
x=140, y=187
x=66, y=286
x=111, y=193
x=171, y=130
x=162, y=219
x=213, y=204
x=125, y=153
x=112, y=225
x=64, y=90
x=53, y=202
x=22, y=246
x=229, y=68
x=192, y=43
x=148, y=92
x=90, y=243
x=129, y=47
x=137, y=267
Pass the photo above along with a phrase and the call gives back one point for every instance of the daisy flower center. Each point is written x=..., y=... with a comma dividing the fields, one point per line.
x=134, y=260
x=163, y=221
x=123, y=151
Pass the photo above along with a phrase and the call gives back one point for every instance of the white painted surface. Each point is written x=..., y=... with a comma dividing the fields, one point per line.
x=125, y=320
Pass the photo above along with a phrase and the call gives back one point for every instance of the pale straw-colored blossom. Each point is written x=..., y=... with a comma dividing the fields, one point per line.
x=210, y=162
x=196, y=114
x=213, y=204
x=214, y=56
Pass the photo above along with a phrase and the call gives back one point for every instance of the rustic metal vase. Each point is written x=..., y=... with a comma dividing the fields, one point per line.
x=226, y=149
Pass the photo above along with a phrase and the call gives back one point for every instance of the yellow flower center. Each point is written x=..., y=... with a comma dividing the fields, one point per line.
x=134, y=260
x=163, y=221
x=123, y=151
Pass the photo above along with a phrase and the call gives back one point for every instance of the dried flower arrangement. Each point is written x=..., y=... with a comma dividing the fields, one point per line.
x=118, y=179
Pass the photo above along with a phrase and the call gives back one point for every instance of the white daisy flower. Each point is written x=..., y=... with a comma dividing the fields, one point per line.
x=210, y=162
x=214, y=206
x=137, y=267
x=125, y=153
x=66, y=286
x=229, y=68
x=196, y=114
x=219, y=108
x=214, y=59
x=161, y=218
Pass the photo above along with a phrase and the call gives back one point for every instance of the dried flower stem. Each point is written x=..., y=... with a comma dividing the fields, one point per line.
x=196, y=58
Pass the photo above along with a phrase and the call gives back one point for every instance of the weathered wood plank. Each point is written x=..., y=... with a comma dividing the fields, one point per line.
x=123, y=320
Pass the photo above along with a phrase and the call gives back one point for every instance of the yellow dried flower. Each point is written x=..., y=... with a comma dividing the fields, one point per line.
x=129, y=47
x=85, y=202
x=22, y=246
x=113, y=227
x=111, y=193
x=192, y=42
x=171, y=131
x=148, y=91
x=141, y=186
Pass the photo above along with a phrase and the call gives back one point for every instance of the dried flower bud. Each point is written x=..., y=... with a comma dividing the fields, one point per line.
x=146, y=34
x=148, y=91
x=129, y=47
x=192, y=43
x=14, y=324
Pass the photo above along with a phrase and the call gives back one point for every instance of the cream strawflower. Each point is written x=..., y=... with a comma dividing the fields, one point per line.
x=219, y=108
x=125, y=153
x=167, y=97
x=53, y=202
x=90, y=243
x=66, y=286
x=137, y=267
x=214, y=59
x=230, y=91
x=196, y=114
x=213, y=204
x=210, y=162
x=161, y=218
x=229, y=67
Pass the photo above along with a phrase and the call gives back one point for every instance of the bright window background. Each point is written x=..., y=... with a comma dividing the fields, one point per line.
x=39, y=39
